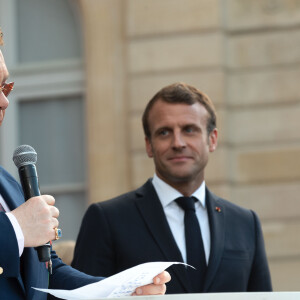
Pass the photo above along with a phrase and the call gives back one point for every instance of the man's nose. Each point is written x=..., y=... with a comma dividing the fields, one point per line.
x=178, y=140
x=3, y=102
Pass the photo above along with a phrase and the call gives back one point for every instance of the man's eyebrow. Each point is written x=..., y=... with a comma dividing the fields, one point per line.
x=157, y=130
x=163, y=128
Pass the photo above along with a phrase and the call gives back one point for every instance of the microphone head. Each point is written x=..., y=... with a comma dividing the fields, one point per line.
x=24, y=155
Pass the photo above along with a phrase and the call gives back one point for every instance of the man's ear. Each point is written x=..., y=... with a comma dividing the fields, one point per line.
x=148, y=147
x=213, y=140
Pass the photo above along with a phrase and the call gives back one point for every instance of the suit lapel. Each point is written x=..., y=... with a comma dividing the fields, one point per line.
x=152, y=212
x=216, y=213
x=10, y=190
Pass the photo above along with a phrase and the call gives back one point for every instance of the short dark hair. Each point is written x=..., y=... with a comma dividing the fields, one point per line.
x=180, y=92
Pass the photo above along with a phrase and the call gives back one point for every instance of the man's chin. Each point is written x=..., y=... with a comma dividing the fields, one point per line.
x=180, y=177
x=181, y=173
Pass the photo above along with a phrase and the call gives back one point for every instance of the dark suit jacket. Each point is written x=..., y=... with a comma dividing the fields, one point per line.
x=132, y=229
x=12, y=284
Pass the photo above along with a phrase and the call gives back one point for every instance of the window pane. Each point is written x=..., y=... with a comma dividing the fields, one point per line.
x=71, y=209
x=55, y=129
x=47, y=31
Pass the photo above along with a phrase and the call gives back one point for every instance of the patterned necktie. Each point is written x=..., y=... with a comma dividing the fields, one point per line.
x=194, y=245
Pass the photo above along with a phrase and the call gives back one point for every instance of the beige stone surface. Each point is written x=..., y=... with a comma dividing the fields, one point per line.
x=146, y=17
x=270, y=124
x=285, y=273
x=175, y=52
x=282, y=238
x=262, y=87
x=263, y=166
x=262, y=49
x=250, y=14
x=217, y=168
x=142, y=168
x=222, y=126
x=222, y=190
x=143, y=88
x=269, y=201
x=137, y=140
x=105, y=113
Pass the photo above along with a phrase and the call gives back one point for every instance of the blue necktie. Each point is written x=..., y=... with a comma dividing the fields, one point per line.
x=194, y=245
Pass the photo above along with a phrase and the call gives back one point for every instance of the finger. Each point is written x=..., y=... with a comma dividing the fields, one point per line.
x=150, y=289
x=54, y=211
x=55, y=223
x=161, y=278
x=49, y=199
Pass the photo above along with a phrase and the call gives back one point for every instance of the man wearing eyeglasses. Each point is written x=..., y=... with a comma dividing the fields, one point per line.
x=31, y=224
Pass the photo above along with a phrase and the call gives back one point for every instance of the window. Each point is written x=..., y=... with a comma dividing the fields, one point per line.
x=47, y=105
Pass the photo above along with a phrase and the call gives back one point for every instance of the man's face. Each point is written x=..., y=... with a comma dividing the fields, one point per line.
x=179, y=143
x=3, y=77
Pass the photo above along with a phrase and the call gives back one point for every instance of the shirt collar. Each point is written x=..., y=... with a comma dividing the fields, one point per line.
x=167, y=194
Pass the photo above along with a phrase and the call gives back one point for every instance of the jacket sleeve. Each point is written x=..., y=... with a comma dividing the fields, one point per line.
x=9, y=249
x=94, y=251
x=66, y=277
x=260, y=278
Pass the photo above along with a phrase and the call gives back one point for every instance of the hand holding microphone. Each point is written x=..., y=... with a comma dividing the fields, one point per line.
x=37, y=218
x=38, y=215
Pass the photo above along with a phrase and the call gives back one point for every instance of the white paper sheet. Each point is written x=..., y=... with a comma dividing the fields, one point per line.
x=119, y=285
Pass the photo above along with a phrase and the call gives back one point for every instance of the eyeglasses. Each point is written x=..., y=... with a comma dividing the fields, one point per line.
x=6, y=88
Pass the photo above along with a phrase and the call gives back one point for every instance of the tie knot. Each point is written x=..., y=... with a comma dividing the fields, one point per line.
x=186, y=203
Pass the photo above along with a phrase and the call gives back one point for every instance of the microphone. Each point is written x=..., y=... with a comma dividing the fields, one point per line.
x=25, y=158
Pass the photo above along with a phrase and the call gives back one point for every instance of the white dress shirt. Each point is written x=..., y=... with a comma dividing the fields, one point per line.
x=175, y=214
x=14, y=222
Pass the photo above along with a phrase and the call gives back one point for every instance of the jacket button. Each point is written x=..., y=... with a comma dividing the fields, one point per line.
x=1, y=270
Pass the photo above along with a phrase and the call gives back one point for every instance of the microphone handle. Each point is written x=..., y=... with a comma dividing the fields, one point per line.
x=29, y=181
x=30, y=185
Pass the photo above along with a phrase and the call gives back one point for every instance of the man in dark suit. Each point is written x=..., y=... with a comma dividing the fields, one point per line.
x=30, y=224
x=152, y=224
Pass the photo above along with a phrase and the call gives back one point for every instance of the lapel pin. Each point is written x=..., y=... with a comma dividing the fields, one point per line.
x=218, y=209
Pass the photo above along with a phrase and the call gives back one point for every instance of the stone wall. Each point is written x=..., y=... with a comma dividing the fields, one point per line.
x=263, y=108
x=245, y=54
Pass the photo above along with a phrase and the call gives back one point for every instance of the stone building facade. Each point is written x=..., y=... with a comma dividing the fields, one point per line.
x=245, y=54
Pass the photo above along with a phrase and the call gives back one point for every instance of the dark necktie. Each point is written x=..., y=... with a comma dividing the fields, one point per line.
x=194, y=246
